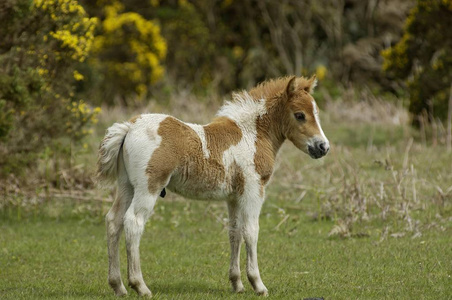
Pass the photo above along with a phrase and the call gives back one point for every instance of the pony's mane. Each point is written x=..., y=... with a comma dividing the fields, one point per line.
x=270, y=88
x=243, y=108
x=250, y=105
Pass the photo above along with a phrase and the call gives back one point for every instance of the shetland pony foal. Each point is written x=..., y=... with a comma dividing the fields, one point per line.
x=230, y=159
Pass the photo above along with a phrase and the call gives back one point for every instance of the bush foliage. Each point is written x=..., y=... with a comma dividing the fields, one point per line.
x=423, y=57
x=42, y=44
x=128, y=53
x=226, y=45
x=59, y=57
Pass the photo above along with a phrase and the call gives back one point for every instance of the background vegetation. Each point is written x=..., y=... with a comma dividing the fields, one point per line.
x=371, y=220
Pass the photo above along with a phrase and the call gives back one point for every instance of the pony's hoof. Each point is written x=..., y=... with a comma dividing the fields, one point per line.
x=263, y=293
x=238, y=287
x=146, y=293
x=120, y=291
x=140, y=287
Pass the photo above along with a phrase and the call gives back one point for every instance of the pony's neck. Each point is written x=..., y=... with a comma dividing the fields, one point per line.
x=270, y=128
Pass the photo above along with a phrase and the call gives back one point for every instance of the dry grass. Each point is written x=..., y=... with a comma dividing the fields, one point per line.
x=362, y=107
x=381, y=178
x=380, y=172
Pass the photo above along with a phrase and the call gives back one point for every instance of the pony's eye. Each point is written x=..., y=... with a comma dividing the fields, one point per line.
x=300, y=116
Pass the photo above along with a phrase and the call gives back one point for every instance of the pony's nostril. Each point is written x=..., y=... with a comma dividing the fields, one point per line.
x=319, y=149
x=323, y=147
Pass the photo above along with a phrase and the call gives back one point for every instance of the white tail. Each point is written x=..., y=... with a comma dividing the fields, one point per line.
x=107, y=162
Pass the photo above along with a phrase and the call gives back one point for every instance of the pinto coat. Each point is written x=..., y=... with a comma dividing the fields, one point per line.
x=229, y=159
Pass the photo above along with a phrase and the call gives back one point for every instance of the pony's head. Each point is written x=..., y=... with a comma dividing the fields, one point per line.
x=301, y=117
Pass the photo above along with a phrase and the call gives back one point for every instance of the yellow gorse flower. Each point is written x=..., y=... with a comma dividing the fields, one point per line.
x=78, y=76
x=77, y=34
x=320, y=72
x=81, y=114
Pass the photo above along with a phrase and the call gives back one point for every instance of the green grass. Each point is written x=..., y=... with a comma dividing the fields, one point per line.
x=185, y=255
x=372, y=220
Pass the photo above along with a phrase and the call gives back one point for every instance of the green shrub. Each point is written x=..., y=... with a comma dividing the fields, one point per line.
x=423, y=57
x=127, y=54
x=42, y=44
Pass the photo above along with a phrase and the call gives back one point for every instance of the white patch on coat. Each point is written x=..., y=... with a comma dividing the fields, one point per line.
x=317, y=120
x=243, y=110
x=243, y=155
x=139, y=145
x=199, y=129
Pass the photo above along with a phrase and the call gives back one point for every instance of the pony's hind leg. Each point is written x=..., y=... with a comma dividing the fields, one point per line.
x=235, y=239
x=114, y=223
x=134, y=222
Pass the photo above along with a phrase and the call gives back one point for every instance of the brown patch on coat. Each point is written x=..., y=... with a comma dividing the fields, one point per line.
x=221, y=134
x=238, y=180
x=180, y=154
x=264, y=158
x=176, y=138
x=134, y=119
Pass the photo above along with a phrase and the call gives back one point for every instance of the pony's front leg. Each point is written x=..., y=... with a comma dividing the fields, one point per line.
x=235, y=239
x=250, y=230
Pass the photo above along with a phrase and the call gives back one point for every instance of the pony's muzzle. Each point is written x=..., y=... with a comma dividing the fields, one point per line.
x=319, y=149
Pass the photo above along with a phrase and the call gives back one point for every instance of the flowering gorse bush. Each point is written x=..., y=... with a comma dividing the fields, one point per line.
x=75, y=31
x=423, y=57
x=128, y=51
x=43, y=44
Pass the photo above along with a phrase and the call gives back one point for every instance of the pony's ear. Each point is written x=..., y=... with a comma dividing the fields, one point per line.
x=309, y=84
x=291, y=87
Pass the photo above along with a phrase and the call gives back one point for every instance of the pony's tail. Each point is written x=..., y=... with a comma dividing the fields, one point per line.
x=107, y=161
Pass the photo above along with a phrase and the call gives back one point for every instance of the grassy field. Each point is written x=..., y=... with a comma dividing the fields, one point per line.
x=186, y=257
x=372, y=220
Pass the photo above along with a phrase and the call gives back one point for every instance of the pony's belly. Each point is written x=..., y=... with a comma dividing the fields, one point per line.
x=193, y=190
x=200, y=184
x=198, y=195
